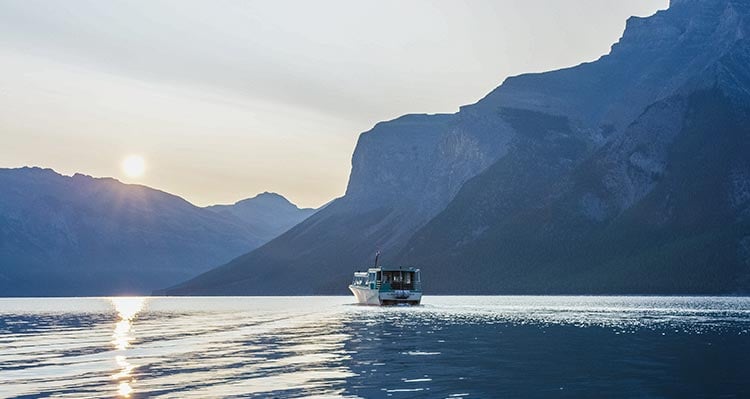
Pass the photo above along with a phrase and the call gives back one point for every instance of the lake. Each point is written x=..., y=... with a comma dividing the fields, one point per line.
x=450, y=347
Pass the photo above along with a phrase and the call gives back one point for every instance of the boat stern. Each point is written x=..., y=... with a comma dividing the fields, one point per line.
x=399, y=297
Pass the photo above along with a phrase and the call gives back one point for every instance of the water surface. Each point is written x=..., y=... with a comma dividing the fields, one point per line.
x=451, y=347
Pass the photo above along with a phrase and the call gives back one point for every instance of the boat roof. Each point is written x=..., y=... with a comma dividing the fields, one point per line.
x=393, y=269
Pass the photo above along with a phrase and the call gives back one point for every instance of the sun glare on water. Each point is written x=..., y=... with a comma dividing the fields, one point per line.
x=134, y=166
x=127, y=308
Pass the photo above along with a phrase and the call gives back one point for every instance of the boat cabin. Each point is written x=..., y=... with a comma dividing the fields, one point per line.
x=389, y=279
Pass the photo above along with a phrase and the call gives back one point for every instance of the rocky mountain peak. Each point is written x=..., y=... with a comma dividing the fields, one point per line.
x=655, y=57
x=700, y=24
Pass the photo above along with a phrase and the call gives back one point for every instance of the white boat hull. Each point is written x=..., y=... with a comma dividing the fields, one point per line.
x=366, y=296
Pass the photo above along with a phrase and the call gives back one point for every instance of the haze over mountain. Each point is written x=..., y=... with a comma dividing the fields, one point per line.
x=80, y=235
x=629, y=174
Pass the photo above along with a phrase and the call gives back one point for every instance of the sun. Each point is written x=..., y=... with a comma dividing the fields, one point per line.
x=134, y=166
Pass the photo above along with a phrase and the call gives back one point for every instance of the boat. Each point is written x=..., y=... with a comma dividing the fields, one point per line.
x=381, y=285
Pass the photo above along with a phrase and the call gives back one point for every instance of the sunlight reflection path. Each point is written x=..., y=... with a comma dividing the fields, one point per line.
x=127, y=308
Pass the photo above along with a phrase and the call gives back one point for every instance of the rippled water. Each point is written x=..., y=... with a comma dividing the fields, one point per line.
x=451, y=347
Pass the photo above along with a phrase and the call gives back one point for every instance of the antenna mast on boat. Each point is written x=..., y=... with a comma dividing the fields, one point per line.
x=377, y=255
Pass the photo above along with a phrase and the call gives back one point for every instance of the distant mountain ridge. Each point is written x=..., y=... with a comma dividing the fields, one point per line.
x=79, y=235
x=269, y=214
x=623, y=175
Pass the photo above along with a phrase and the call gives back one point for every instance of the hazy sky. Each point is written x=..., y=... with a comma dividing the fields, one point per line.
x=224, y=99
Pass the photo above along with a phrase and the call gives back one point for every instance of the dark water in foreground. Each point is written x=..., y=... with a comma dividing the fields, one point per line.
x=451, y=347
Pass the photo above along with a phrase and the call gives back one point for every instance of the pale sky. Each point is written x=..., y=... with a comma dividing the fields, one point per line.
x=225, y=99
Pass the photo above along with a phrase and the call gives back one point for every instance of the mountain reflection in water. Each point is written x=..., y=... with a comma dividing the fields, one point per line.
x=452, y=347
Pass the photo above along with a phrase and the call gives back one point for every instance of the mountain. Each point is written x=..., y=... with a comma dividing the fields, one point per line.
x=659, y=206
x=629, y=174
x=80, y=235
x=269, y=214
